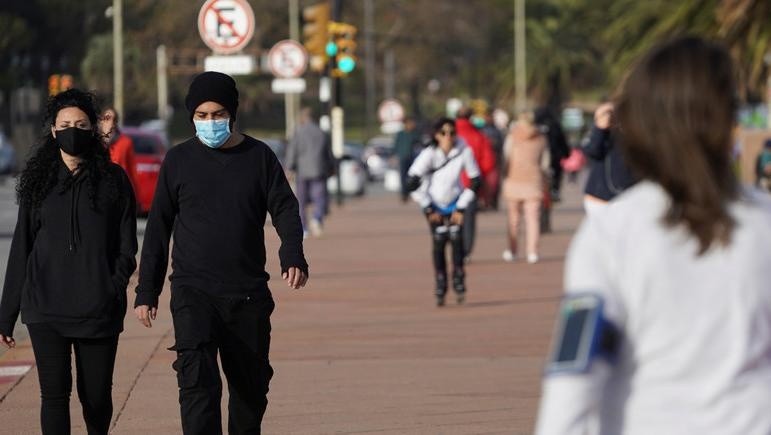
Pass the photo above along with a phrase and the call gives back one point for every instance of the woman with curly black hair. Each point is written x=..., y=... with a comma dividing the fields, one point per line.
x=72, y=254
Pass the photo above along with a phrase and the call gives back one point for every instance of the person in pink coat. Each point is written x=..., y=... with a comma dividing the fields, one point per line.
x=527, y=162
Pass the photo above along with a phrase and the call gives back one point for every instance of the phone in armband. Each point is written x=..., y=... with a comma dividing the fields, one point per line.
x=581, y=335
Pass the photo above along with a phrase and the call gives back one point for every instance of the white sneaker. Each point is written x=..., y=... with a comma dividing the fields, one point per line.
x=532, y=258
x=508, y=255
x=315, y=228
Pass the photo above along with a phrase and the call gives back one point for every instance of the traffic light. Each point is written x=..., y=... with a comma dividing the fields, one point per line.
x=53, y=85
x=59, y=83
x=315, y=24
x=65, y=82
x=342, y=46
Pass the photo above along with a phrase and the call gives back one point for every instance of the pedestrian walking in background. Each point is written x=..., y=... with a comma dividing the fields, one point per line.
x=559, y=149
x=680, y=262
x=609, y=174
x=526, y=168
x=214, y=192
x=119, y=145
x=485, y=158
x=72, y=254
x=496, y=138
x=406, y=143
x=443, y=198
x=309, y=158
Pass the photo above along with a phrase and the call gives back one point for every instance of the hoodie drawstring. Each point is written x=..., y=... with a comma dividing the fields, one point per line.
x=74, y=221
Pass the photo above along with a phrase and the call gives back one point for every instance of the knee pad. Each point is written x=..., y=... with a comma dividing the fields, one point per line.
x=455, y=233
x=440, y=236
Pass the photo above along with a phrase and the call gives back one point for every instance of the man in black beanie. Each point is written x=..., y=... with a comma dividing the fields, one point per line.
x=214, y=191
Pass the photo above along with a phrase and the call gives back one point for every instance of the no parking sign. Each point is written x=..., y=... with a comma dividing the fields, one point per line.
x=226, y=26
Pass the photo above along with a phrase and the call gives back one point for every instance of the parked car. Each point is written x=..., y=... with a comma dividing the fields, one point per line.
x=379, y=156
x=7, y=156
x=149, y=151
x=353, y=173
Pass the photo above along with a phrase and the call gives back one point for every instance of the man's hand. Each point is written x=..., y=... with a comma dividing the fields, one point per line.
x=456, y=218
x=603, y=116
x=295, y=277
x=145, y=315
x=7, y=341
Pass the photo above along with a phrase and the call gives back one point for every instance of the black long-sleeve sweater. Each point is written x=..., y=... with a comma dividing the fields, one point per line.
x=70, y=264
x=609, y=175
x=215, y=202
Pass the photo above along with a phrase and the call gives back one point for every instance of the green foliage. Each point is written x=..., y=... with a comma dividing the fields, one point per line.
x=575, y=48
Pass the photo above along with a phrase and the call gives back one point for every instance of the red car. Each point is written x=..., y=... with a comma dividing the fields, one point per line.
x=149, y=151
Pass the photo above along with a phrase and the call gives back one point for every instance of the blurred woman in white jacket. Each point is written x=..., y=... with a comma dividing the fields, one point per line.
x=443, y=199
x=681, y=261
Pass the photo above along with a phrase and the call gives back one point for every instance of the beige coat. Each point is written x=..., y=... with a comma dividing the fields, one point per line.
x=527, y=163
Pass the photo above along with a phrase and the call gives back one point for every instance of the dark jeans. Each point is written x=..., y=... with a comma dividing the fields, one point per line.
x=312, y=190
x=94, y=363
x=469, y=227
x=237, y=328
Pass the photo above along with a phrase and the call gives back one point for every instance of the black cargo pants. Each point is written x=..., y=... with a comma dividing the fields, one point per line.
x=239, y=330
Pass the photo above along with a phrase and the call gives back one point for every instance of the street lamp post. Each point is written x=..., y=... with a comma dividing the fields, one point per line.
x=520, y=72
x=117, y=54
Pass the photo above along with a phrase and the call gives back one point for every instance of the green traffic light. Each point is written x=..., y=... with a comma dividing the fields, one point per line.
x=346, y=64
x=331, y=49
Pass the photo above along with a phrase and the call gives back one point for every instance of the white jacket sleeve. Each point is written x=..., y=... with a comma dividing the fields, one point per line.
x=571, y=403
x=420, y=168
x=472, y=171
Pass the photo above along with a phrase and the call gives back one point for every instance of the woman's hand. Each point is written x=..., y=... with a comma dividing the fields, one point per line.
x=603, y=116
x=434, y=217
x=456, y=218
x=8, y=342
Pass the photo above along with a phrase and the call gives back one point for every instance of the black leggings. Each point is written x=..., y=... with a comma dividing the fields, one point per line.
x=94, y=363
x=441, y=234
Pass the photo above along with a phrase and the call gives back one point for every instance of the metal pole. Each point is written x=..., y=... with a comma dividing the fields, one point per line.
x=369, y=70
x=519, y=55
x=388, y=82
x=117, y=55
x=163, y=84
x=291, y=101
x=337, y=112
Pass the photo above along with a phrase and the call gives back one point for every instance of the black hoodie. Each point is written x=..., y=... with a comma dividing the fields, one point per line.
x=70, y=263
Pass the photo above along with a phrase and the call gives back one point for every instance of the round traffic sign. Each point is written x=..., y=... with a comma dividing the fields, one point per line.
x=287, y=59
x=390, y=111
x=226, y=26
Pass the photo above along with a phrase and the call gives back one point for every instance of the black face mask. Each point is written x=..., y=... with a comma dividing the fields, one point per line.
x=75, y=141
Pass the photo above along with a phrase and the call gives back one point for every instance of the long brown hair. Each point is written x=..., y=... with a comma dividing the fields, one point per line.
x=676, y=112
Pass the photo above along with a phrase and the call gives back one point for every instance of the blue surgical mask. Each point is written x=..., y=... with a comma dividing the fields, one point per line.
x=213, y=133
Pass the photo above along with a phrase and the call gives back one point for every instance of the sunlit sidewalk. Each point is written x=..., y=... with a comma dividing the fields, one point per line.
x=363, y=348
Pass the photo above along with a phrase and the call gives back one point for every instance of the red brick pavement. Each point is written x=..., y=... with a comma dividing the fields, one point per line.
x=363, y=348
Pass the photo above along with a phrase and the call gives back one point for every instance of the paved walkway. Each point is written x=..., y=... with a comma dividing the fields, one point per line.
x=363, y=349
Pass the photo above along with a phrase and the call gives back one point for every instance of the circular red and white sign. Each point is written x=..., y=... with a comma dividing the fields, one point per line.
x=226, y=26
x=287, y=59
x=390, y=111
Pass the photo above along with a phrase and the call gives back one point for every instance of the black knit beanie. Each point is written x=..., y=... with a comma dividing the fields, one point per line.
x=213, y=86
